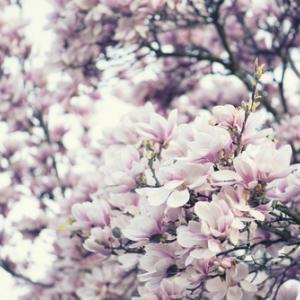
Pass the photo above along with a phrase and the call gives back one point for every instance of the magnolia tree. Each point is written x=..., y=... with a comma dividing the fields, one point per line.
x=37, y=167
x=193, y=196
x=171, y=52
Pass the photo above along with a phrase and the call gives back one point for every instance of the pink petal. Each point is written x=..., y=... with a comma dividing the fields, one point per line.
x=236, y=223
x=178, y=198
x=203, y=211
x=215, y=284
x=234, y=293
x=202, y=254
x=225, y=177
x=214, y=246
x=248, y=287
x=155, y=196
x=257, y=215
x=234, y=236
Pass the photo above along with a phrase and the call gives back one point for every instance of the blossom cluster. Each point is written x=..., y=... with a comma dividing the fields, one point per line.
x=37, y=166
x=178, y=47
x=200, y=202
x=178, y=207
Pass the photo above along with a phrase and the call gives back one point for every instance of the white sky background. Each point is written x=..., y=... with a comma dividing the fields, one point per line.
x=110, y=110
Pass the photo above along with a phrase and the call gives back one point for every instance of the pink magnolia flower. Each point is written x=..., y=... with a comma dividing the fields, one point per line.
x=286, y=189
x=99, y=241
x=174, y=193
x=258, y=163
x=174, y=288
x=238, y=201
x=209, y=143
x=234, y=287
x=148, y=294
x=179, y=178
x=191, y=235
x=169, y=288
x=218, y=221
x=141, y=229
x=95, y=283
x=233, y=118
x=224, y=177
x=88, y=214
x=288, y=130
x=263, y=163
x=57, y=132
x=228, y=116
x=194, y=175
x=126, y=133
x=128, y=260
x=157, y=4
x=159, y=262
x=159, y=129
x=179, y=145
x=121, y=171
x=13, y=143
x=196, y=237
x=115, y=4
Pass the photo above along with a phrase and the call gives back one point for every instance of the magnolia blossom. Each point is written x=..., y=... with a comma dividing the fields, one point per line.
x=191, y=235
x=91, y=213
x=159, y=262
x=263, y=163
x=286, y=189
x=168, y=288
x=126, y=169
x=258, y=164
x=238, y=201
x=233, y=118
x=234, y=287
x=196, y=238
x=218, y=220
x=174, y=193
x=182, y=217
x=99, y=241
x=142, y=229
x=159, y=129
x=210, y=143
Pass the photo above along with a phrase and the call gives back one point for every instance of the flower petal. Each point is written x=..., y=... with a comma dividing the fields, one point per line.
x=257, y=215
x=178, y=198
x=248, y=286
x=215, y=284
x=225, y=177
x=155, y=196
x=214, y=245
x=202, y=254
x=234, y=293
